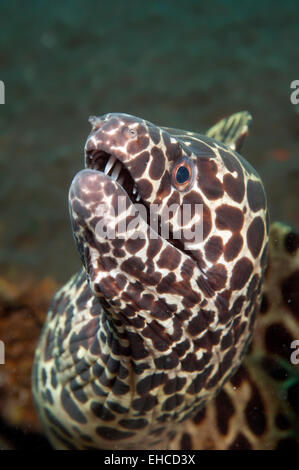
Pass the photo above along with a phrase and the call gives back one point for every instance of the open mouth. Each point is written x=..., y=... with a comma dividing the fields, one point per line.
x=108, y=164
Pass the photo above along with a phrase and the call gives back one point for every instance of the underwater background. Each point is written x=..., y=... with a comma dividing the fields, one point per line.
x=177, y=64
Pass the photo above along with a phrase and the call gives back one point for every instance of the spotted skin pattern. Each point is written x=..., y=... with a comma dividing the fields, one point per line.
x=258, y=406
x=149, y=331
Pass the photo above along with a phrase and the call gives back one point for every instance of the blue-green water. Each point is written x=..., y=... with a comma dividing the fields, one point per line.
x=180, y=64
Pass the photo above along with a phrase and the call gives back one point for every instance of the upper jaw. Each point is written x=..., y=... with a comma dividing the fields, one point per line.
x=103, y=160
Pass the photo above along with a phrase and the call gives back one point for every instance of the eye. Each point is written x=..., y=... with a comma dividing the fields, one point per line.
x=182, y=174
x=131, y=133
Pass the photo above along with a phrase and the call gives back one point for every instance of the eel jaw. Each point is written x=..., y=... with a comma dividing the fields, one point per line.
x=111, y=166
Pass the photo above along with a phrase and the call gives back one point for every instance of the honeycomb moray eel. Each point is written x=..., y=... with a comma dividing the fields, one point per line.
x=142, y=348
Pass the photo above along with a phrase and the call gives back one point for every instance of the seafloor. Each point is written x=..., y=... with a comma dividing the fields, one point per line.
x=179, y=64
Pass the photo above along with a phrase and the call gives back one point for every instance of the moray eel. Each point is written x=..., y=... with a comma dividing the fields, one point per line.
x=153, y=325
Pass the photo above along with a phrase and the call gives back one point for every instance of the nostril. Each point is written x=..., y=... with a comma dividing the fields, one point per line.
x=95, y=122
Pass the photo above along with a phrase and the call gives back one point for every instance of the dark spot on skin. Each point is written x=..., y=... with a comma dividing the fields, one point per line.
x=47, y=396
x=44, y=376
x=169, y=361
x=137, y=346
x=157, y=432
x=293, y=394
x=161, y=310
x=205, y=287
x=234, y=187
x=112, y=434
x=97, y=390
x=83, y=298
x=217, y=276
x=241, y=273
x=207, y=340
x=150, y=382
x=255, y=236
x=147, y=302
x=264, y=304
x=169, y=258
x=108, y=262
x=157, y=165
x=215, y=379
x=282, y=422
x=133, y=266
x=192, y=364
x=144, y=404
x=182, y=347
x=134, y=245
x=233, y=247
x=194, y=198
x=207, y=179
x=186, y=443
x=71, y=408
x=229, y=218
x=156, y=333
x=290, y=293
x=153, y=248
x=256, y=196
x=200, y=322
x=264, y=257
x=213, y=248
x=82, y=212
x=173, y=150
x=239, y=376
x=119, y=409
x=100, y=411
x=278, y=340
x=200, y=415
x=174, y=385
x=237, y=306
x=49, y=344
x=154, y=134
x=240, y=443
x=199, y=381
x=56, y=422
x=139, y=164
x=172, y=402
x=274, y=369
x=226, y=341
x=83, y=370
x=253, y=287
x=224, y=410
x=163, y=418
x=255, y=413
x=222, y=303
x=54, y=382
x=139, y=423
x=164, y=188
x=291, y=242
x=78, y=391
x=227, y=361
x=145, y=188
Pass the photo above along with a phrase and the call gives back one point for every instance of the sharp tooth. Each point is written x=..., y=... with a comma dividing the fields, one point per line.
x=109, y=164
x=134, y=189
x=138, y=197
x=116, y=171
